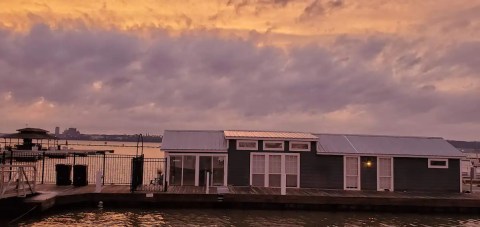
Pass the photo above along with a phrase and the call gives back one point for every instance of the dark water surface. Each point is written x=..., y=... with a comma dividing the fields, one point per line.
x=206, y=217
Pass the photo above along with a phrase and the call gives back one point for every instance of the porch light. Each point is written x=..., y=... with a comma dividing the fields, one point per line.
x=368, y=164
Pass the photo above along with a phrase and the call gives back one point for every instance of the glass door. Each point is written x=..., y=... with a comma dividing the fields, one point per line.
x=385, y=179
x=352, y=173
x=218, y=168
x=205, y=166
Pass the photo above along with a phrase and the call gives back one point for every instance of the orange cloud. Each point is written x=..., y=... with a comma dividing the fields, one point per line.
x=296, y=18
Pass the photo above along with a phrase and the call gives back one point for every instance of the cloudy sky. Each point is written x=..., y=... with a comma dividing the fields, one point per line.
x=341, y=66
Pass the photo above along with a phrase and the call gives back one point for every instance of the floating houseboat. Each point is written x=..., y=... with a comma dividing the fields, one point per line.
x=307, y=160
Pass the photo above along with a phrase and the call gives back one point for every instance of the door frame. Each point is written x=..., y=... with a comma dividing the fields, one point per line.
x=391, y=173
x=359, y=179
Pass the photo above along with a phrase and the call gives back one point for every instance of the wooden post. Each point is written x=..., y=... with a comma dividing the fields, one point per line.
x=43, y=166
x=98, y=181
x=283, y=181
x=472, y=175
x=208, y=182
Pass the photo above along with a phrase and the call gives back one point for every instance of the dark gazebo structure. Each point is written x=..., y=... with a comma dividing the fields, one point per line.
x=28, y=135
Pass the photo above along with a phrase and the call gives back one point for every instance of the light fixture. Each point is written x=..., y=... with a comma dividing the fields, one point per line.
x=369, y=164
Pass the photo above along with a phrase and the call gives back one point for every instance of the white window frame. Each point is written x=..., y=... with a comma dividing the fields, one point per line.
x=247, y=148
x=391, y=172
x=273, y=149
x=430, y=166
x=197, y=166
x=284, y=160
x=359, y=177
x=267, y=167
x=298, y=142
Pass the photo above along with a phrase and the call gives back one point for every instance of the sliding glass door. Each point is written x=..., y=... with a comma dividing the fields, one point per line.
x=192, y=169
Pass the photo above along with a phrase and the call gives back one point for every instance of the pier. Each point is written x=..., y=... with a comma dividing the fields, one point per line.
x=113, y=196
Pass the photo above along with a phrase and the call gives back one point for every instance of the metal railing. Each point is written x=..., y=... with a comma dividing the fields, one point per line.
x=116, y=168
x=17, y=180
x=153, y=175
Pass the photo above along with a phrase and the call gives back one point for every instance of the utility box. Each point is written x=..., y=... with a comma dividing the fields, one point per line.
x=63, y=172
x=80, y=175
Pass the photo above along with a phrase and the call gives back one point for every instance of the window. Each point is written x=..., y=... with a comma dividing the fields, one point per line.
x=299, y=146
x=267, y=169
x=438, y=163
x=258, y=170
x=273, y=145
x=175, y=170
x=247, y=145
x=275, y=171
x=291, y=170
x=190, y=169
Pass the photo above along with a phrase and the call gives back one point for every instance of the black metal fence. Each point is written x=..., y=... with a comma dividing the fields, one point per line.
x=116, y=168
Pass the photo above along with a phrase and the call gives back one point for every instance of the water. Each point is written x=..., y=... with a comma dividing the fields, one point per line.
x=207, y=217
x=151, y=150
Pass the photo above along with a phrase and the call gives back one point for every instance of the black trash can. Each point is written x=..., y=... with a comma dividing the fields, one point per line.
x=63, y=174
x=80, y=175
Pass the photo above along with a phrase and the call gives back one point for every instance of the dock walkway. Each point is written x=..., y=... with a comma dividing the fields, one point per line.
x=254, y=197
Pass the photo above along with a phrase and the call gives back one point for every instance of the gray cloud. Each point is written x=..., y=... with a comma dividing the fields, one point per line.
x=318, y=8
x=108, y=80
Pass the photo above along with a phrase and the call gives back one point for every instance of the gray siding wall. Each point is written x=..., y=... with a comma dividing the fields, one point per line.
x=238, y=165
x=315, y=171
x=321, y=171
x=368, y=175
x=413, y=174
x=239, y=162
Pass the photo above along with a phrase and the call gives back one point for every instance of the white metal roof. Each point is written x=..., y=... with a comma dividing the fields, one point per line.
x=386, y=145
x=237, y=134
x=178, y=140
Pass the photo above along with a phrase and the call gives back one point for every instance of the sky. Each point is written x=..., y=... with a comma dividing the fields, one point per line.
x=327, y=66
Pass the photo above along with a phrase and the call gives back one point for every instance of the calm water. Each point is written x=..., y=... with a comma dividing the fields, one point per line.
x=193, y=217
x=151, y=150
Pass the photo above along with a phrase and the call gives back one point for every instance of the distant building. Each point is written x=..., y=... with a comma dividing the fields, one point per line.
x=57, y=131
x=71, y=133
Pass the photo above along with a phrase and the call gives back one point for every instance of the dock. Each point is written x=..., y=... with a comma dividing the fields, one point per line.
x=113, y=196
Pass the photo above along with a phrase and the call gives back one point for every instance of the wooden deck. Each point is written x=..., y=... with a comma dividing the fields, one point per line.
x=254, y=197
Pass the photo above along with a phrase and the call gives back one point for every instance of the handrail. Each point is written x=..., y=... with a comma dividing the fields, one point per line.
x=18, y=180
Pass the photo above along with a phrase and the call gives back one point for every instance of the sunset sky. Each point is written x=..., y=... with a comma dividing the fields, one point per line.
x=405, y=67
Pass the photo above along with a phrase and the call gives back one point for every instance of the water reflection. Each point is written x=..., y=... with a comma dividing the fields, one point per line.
x=193, y=217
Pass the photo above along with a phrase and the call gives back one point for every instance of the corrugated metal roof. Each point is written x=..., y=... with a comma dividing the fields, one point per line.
x=386, y=145
x=334, y=144
x=194, y=140
x=230, y=134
